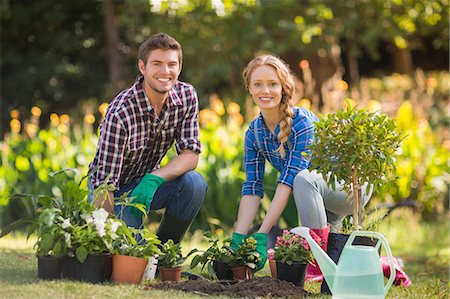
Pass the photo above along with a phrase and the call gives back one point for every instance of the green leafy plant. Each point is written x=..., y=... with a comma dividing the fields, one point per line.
x=291, y=248
x=96, y=235
x=215, y=252
x=354, y=147
x=137, y=243
x=171, y=256
x=246, y=254
x=52, y=237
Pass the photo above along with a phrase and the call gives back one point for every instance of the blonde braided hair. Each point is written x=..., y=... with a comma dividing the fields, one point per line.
x=288, y=87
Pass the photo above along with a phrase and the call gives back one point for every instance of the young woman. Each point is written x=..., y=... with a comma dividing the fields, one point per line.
x=281, y=135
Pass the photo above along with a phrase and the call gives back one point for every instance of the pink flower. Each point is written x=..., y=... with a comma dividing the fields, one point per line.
x=270, y=254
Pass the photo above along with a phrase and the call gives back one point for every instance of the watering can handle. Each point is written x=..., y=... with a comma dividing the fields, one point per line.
x=382, y=240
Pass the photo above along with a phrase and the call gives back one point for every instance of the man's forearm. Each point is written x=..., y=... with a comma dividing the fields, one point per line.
x=187, y=160
x=106, y=203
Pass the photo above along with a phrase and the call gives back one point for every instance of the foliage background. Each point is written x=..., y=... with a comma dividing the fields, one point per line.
x=61, y=63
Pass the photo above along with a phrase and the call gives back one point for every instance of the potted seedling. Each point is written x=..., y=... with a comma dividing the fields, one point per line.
x=354, y=147
x=170, y=261
x=133, y=249
x=244, y=259
x=216, y=258
x=50, y=245
x=292, y=254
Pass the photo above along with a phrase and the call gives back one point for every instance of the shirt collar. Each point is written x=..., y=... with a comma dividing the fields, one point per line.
x=143, y=102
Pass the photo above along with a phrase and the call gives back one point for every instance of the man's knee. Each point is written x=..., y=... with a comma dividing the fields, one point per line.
x=195, y=185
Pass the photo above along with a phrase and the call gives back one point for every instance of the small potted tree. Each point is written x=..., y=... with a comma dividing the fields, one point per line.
x=354, y=147
x=170, y=261
x=131, y=254
x=216, y=258
x=244, y=259
x=292, y=254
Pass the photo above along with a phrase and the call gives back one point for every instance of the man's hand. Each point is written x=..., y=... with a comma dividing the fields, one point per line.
x=237, y=240
x=261, y=248
x=144, y=192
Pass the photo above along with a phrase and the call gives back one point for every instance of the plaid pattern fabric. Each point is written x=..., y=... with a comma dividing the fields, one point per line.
x=302, y=134
x=133, y=140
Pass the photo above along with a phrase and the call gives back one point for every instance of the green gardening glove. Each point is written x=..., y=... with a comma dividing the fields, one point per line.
x=261, y=248
x=144, y=192
x=237, y=240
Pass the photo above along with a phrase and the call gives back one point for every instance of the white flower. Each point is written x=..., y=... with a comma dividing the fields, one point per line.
x=87, y=217
x=100, y=227
x=66, y=223
x=114, y=225
x=67, y=239
x=100, y=215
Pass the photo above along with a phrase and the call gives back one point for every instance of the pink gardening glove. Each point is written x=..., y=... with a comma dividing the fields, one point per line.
x=400, y=276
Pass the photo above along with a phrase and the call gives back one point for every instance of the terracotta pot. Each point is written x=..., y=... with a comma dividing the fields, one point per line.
x=294, y=273
x=273, y=268
x=128, y=269
x=242, y=273
x=170, y=274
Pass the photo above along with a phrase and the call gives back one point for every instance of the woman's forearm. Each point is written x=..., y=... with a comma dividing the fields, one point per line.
x=277, y=207
x=247, y=211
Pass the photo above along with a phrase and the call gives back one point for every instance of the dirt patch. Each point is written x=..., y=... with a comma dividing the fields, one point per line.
x=257, y=287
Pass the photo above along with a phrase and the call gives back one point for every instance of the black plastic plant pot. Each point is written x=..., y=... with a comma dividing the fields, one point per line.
x=223, y=270
x=294, y=273
x=108, y=267
x=49, y=267
x=336, y=243
x=94, y=268
x=68, y=267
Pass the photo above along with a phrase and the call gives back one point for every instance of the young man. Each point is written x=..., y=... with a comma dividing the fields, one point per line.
x=140, y=126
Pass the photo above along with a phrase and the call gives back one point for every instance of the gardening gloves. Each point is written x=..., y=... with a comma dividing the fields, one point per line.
x=144, y=192
x=261, y=248
x=261, y=245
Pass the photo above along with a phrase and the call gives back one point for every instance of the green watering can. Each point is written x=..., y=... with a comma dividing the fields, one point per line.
x=358, y=273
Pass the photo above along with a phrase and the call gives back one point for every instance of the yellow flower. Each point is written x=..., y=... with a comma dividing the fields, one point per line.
x=233, y=108
x=303, y=64
x=305, y=103
x=64, y=118
x=342, y=85
x=14, y=113
x=102, y=108
x=217, y=105
x=31, y=130
x=54, y=119
x=15, y=125
x=89, y=119
x=36, y=111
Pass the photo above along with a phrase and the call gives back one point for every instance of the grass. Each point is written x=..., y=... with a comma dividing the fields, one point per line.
x=424, y=248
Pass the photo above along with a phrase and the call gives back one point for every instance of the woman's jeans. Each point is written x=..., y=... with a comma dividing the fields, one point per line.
x=317, y=204
x=182, y=197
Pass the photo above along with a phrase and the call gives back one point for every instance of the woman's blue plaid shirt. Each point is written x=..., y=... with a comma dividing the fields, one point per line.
x=302, y=134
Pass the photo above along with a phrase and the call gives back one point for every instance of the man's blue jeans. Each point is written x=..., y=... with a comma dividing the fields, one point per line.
x=182, y=197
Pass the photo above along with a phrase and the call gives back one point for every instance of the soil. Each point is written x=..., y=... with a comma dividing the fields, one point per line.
x=257, y=287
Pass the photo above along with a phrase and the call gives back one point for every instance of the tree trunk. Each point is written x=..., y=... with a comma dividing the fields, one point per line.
x=403, y=61
x=115, y=66
x=353, y=65
x=357, y=206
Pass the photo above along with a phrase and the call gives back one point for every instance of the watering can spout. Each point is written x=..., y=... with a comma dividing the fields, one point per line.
x=326, y=264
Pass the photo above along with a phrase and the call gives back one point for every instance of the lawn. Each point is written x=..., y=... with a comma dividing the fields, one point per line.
x=423, y=246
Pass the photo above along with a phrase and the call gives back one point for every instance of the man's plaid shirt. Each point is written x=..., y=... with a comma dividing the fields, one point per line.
x=302, y=134
x=133, y=140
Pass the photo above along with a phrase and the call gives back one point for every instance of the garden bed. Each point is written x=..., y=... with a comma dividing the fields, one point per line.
x=257, y=287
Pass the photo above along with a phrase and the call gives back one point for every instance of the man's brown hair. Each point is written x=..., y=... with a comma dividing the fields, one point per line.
x=160, y=41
